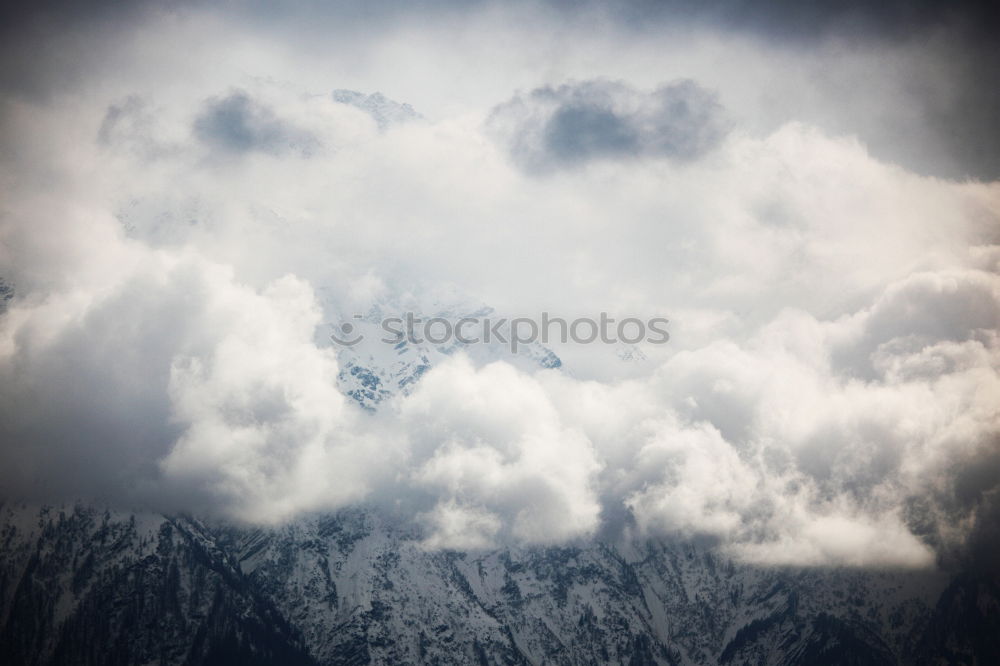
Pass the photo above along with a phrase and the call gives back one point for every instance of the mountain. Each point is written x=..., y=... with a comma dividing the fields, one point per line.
x=384, y=111
x=378, y=364
x=82, y=585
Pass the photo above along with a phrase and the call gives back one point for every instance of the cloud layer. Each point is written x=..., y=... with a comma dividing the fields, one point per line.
x=830, y=395
x=573, y=124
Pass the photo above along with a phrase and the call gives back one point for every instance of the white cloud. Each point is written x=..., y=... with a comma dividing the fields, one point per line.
x=831, y=383
x=491, y=437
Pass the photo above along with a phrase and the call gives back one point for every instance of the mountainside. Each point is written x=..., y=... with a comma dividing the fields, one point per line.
x=80, y=585
x=381, y=362
x=384, y=111
x=84, y=585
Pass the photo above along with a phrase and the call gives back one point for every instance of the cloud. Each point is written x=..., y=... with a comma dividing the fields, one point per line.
x=173, y=381
x=575, y=123
x=238, y=124
x=127, y=121
x=767, y=449
x=908, y=329
x=457, y=527
x=828, y=397
x=503, y=448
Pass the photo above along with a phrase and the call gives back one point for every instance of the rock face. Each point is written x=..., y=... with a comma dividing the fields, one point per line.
x=80, y=585
x=385, y=362
x=83, y=586
x=384, y=111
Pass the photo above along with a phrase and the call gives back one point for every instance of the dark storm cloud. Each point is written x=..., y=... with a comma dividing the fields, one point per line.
x=98, y=434
x=782, y=19
x=576, y=133
x=945, y=126
x=163, y=374
x=47, y=45
x=14, y=14
x=238, y=124
x=6, y=294
x=977, y=493
x=972, y=498
x=806, y=20
x=576, y=123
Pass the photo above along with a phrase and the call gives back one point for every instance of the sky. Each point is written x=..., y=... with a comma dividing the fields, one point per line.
x=810, y=195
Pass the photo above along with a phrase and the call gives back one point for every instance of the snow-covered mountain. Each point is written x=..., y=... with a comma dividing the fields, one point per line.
x=379, y=364
x=81, y=585
x=383, y=110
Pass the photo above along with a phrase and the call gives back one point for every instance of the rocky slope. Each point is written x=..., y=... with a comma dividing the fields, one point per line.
x=81, y=585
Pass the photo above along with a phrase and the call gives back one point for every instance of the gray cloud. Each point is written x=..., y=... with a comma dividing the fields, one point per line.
x=797, y=20
x=937, y=62
x=238, y=124
x=182, y=369
x=960, y=518
x=130, y=125
x=829, y=395
x=575, y=123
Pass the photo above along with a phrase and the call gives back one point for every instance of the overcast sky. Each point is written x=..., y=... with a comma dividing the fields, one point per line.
x=811, y=196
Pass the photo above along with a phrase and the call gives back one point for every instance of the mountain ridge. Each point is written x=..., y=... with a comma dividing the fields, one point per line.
x=82, y=585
